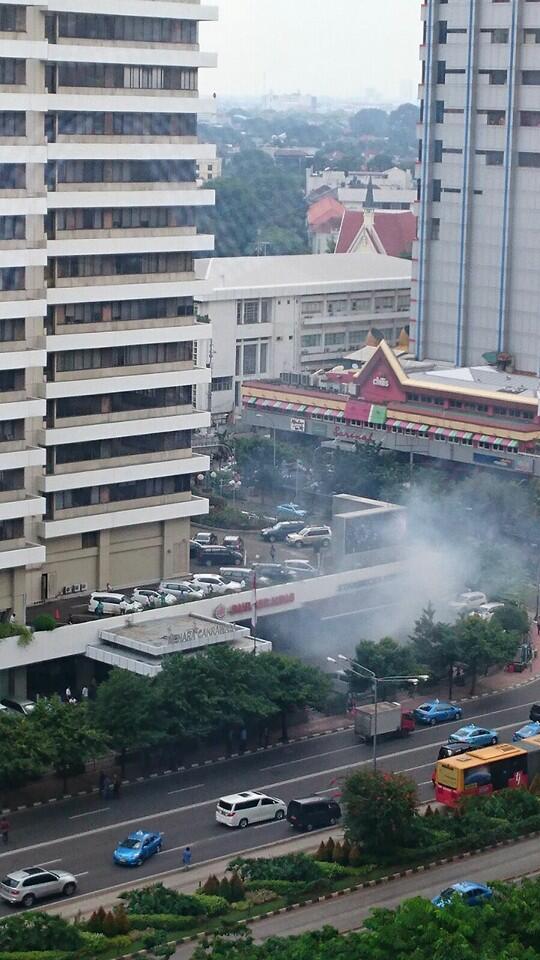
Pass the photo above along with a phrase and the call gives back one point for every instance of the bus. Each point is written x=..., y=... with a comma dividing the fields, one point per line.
x=480, y=772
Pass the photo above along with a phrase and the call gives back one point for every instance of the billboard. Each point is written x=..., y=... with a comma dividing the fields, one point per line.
x=374, y=530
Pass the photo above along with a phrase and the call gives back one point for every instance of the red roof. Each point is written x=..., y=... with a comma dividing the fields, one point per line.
x=324, y=211
x=395, y=229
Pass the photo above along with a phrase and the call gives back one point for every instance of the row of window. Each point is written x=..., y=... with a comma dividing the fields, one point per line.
x=121, y=171
x=122, y=447
x=104, y=404
x=119, y=311
x=116, y=493
x=104, y=27
x=493, y=158
x=124, y=264
x=219, y=384
x=118, y=76
x=127, y=124
x=121, y=218
x=382, y=303
x=126, y=356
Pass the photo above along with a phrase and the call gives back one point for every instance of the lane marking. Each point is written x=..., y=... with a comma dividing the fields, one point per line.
x=83, y=874
x=89, y=813
x=183, y=789
x=208, y=803
x=47, y=863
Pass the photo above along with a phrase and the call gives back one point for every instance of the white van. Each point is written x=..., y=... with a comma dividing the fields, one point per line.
x=241, y=809
x=112, y=603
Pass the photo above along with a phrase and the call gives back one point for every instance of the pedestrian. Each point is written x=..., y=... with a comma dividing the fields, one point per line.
x=107, y=787
x=243, y=740
x=116, y=784
x=109, y=588
x=13, y=618
x=84, y=693
x=186, y=858
x=273, y=553
x=4, y=829
x=68, y=695
x=99, y=609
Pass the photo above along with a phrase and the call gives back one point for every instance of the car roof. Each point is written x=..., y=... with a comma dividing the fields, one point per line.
x=26, y=872
x=140, y=834
x=464, y=886
x=315, y=798
x=246, y=795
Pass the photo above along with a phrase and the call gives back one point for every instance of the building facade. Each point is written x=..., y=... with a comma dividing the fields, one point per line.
x=472, y=415
x=294, y=314
x=476, y=279
x=98, y=194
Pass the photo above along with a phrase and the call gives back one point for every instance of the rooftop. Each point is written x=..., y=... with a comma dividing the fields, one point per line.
x=484, y=379
x=225, y=276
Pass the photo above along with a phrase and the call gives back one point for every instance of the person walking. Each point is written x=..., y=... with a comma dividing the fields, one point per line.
x=4, y=829
x=186, y=858
x=84, y=693
x=273, y=553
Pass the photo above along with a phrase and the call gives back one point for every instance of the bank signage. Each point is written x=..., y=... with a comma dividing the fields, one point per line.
x=246, y=607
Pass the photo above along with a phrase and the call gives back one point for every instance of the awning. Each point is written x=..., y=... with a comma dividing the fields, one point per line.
x=301, y=408
x=397, y=424
x=499, y=441
x=329, y=413
x=442, y=432
x=340, y=414
x=358, y=410
x=278, y=404
x=432, y=431
x=484, y=438
x=467, y=436
x=513, y=444
x=424, y=428
x=477, y=436
x=377, y=414
x=251, y=400
x=456, y=435
x=412, y=426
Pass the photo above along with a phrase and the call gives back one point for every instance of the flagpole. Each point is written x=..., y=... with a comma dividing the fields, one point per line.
x=254, y=611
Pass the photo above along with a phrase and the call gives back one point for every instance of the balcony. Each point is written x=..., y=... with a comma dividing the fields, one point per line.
x=20, y=553
x=188, y=506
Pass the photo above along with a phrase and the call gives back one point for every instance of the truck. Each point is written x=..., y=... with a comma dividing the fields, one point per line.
x=392, y=721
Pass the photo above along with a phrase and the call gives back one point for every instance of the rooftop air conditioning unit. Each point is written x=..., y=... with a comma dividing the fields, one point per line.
x=67, y=590
x=83, y=587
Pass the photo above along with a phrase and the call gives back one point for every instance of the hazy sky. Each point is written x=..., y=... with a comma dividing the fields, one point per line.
x=333, y=47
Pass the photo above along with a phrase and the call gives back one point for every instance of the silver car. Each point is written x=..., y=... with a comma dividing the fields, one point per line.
x=24, y=887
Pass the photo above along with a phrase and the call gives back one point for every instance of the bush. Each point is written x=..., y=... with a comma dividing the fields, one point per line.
x=225, y=889
x=289, y=888
x=212, y=886
x=44, y=621
x=292, y=867
x=237, y=891
x=162, y=921
x=158, y=899
x=36, y=955
x=333, y=871
x=94, y=943
x=211, y=906
x=38, y=931
x=337, y=855
x=112, y=923
x=256, y=897
x=355, y=856
x=322, y=854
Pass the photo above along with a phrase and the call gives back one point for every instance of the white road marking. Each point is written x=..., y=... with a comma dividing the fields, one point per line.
x=47, y=863
x=83, y=874
x=89, y=813
x=262, y=787
x=183, y=789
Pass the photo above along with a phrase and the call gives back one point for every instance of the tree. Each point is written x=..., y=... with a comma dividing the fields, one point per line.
x=290, y=685
x=482, y=644
x=380, y=162
x=70, y=733
x=435, y=646
x=370, y=121
x=127, y=710
x=512, y=617
x=385, y=658
x=25, y=751
x=380, y=810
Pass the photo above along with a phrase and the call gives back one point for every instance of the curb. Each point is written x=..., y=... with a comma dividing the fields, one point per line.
x=168, y=773
x=365, y=884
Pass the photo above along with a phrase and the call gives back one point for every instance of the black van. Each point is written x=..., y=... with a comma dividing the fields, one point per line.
x=309, y=813
x=219, y=556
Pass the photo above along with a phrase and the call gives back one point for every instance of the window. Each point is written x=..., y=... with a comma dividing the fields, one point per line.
x=122, y=447
x=311, y=307
x=12, y=278
x=250, y=359
x=128, y=356
x=124, y=264
x=530, y=78
x=263, y=357
x=123, y=402
x=12, y=71
x=221, y=383
x=529, y=159
x=436, y=190
x=266, y=311
x=437, y=151
x=121, y=310
x=12, y=124
x=334, y=339
x=336, y=306
x=149, y=29
x=496, y=77
x=384, y=304
x=496, y=118
x=11, y=330
x=441, y=71
x=123, y=218
x=125, y=171
x=530, y=118
x=117, y=492
x=403, y=302
x=499, y=35
x=251, y=311
x=311, y=340
x=12, y=176
x=11, y=529
x=361, y=305
x=531, y=36
x=494, y=158
x=12, y=19
x=12, y=228
x=439, y=111
x=442, y=31
x=90, y=539
x=435, y=228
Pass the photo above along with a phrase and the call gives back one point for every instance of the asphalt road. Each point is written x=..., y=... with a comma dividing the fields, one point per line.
x=79, y=834
x=349, y=912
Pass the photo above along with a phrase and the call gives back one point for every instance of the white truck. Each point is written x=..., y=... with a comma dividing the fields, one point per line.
x=391, y=720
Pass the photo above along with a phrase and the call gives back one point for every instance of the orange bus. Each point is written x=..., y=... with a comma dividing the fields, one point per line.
x=480, y=772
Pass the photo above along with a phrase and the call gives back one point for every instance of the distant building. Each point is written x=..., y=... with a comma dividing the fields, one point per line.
x=380, y=231
x=385, y=198
x=294, y=313
x=209, y=169
x=324, y=220
x=394, y=178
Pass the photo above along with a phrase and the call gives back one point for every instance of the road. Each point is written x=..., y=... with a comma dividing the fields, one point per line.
x=79, y=834
x=348, y=912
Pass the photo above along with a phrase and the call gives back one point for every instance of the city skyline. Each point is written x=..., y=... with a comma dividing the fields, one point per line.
x=309, y=49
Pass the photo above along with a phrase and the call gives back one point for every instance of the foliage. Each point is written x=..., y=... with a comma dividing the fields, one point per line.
x=24, y=752
x=70, y=733
x=369, y=471
x=38, y=931
x=435, y=645
x=384, y=657
x=16, y=630
x=237, y=890
x=379, y=809
x=163, y=921
x=482, y=644
x=158, y=899
x=127, y=709
x=512, y=617
x=44, y=621
x=211, y=886
x=291, y=866
x=111, y=923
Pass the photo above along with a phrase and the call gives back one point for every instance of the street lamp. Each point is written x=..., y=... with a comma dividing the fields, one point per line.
x=368, y=674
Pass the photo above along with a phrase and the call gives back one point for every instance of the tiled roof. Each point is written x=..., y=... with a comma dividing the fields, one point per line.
x=324, y=210
x=395, y=229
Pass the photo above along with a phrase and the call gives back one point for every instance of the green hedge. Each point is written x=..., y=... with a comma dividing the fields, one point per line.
x=287, y=888
x=162, y=921
x=37, y=955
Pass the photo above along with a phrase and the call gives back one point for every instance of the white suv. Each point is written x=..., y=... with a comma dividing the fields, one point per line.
x=311, y=537
x=111, y=603
x=241, y=809
x=213, y=584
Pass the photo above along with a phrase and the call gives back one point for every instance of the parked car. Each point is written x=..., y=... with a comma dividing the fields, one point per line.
x=486, y=610
x=310, y=813
x=241, y=575
x=241, y=809
x=194, y=549
x=205, y=538
x=217, y=555
x=23, y=706
x=235, y=542
x=181, y=590
x=113, y=603
x=437, y=711
x=531, y=729
x=472, y=893
x=280, y=531
x=534, y=712
x=468, y=602
x=290, y=511
x=275, y=572
x=311, y=537
x=26, y=886
x=138, y=847
x=476, y=736
x=212, y=584
x=152, y=598
x=301, y=568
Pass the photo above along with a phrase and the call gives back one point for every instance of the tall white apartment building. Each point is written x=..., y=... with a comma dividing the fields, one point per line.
x=476, y=276
x=98, y=196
